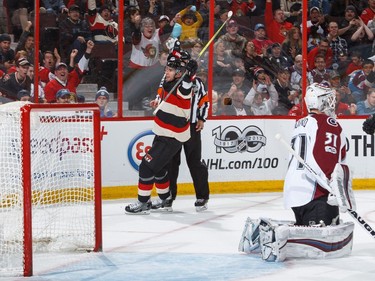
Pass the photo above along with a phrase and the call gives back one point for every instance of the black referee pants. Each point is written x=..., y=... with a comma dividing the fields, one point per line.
x=198, y=171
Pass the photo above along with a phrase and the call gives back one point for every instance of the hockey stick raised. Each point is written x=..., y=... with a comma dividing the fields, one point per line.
x=230, y=14
x=325, y=184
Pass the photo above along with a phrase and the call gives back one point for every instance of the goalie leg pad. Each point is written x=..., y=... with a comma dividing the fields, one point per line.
x=341, y=184
x=249, y=242
x=273, y=240
x=320, y=242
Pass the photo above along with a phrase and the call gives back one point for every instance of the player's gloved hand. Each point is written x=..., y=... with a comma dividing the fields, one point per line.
x=177, y=46
x=191, y=67
x=369, y=125
x=332, y=200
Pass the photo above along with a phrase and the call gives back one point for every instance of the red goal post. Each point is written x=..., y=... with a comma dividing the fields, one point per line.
x=50, y=182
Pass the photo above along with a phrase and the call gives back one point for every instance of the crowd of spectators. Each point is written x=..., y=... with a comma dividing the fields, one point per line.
x=257, y=61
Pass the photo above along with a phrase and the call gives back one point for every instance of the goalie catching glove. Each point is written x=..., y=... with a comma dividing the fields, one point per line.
x=369, y=125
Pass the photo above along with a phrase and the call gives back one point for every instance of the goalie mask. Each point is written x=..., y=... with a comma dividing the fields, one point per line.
x=322, y=98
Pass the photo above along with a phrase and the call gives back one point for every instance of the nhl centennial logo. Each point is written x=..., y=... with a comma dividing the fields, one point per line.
x=233, y=140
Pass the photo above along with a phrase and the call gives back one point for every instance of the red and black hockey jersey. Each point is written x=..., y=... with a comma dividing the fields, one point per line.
x=173, y=117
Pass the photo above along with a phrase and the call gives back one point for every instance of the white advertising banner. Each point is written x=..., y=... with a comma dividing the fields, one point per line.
x=233, y=150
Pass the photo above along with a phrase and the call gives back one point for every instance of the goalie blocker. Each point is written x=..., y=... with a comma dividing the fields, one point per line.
x=278, y=240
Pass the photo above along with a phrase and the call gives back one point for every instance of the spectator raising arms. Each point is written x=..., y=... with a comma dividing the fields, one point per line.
x=66, y=79
x=241, y=8
x=190, y=20
x=26, y=42
x=236, y=106
x=146, y=43
x=103, y=27
x=74, y=33
x=276, y=25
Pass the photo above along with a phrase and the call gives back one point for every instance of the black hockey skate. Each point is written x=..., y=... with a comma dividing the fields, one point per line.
x=138, y=208
x=162, y=205
x=201, y=205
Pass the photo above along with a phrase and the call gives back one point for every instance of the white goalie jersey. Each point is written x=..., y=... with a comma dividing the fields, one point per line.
x=319, y=140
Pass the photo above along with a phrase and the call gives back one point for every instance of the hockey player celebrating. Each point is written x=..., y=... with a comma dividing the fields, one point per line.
x=172, y=129
x=193, y=147
x=317, y=231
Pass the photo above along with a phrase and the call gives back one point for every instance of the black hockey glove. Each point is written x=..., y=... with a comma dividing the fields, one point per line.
x=369, y=125
x=177, y=46
x=191, y=67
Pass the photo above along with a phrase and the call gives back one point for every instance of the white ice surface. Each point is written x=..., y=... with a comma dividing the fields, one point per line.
x=186, y=245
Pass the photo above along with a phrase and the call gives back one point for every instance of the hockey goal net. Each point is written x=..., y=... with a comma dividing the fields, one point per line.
x=50, y=182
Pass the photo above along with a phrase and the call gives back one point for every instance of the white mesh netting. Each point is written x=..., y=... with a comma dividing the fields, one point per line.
x=62, y=169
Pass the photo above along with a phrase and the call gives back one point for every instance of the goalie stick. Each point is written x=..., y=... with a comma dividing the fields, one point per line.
x=324, y=184
x=230, y=14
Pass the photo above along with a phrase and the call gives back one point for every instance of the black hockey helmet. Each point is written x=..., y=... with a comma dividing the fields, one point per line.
x=174, y=62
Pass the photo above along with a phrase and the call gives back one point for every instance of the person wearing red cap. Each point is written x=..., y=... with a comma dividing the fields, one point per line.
x=276, y=24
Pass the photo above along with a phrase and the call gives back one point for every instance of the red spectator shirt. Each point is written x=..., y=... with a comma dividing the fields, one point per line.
x=276, y=31
x=367, y=14
x=53, y=86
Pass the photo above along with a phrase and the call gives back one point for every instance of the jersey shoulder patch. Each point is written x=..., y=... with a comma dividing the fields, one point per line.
x=332, y=122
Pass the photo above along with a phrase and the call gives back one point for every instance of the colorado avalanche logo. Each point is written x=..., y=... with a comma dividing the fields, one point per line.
x=332, y=122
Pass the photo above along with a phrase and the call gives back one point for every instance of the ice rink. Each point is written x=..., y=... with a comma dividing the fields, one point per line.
x=186, y=245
